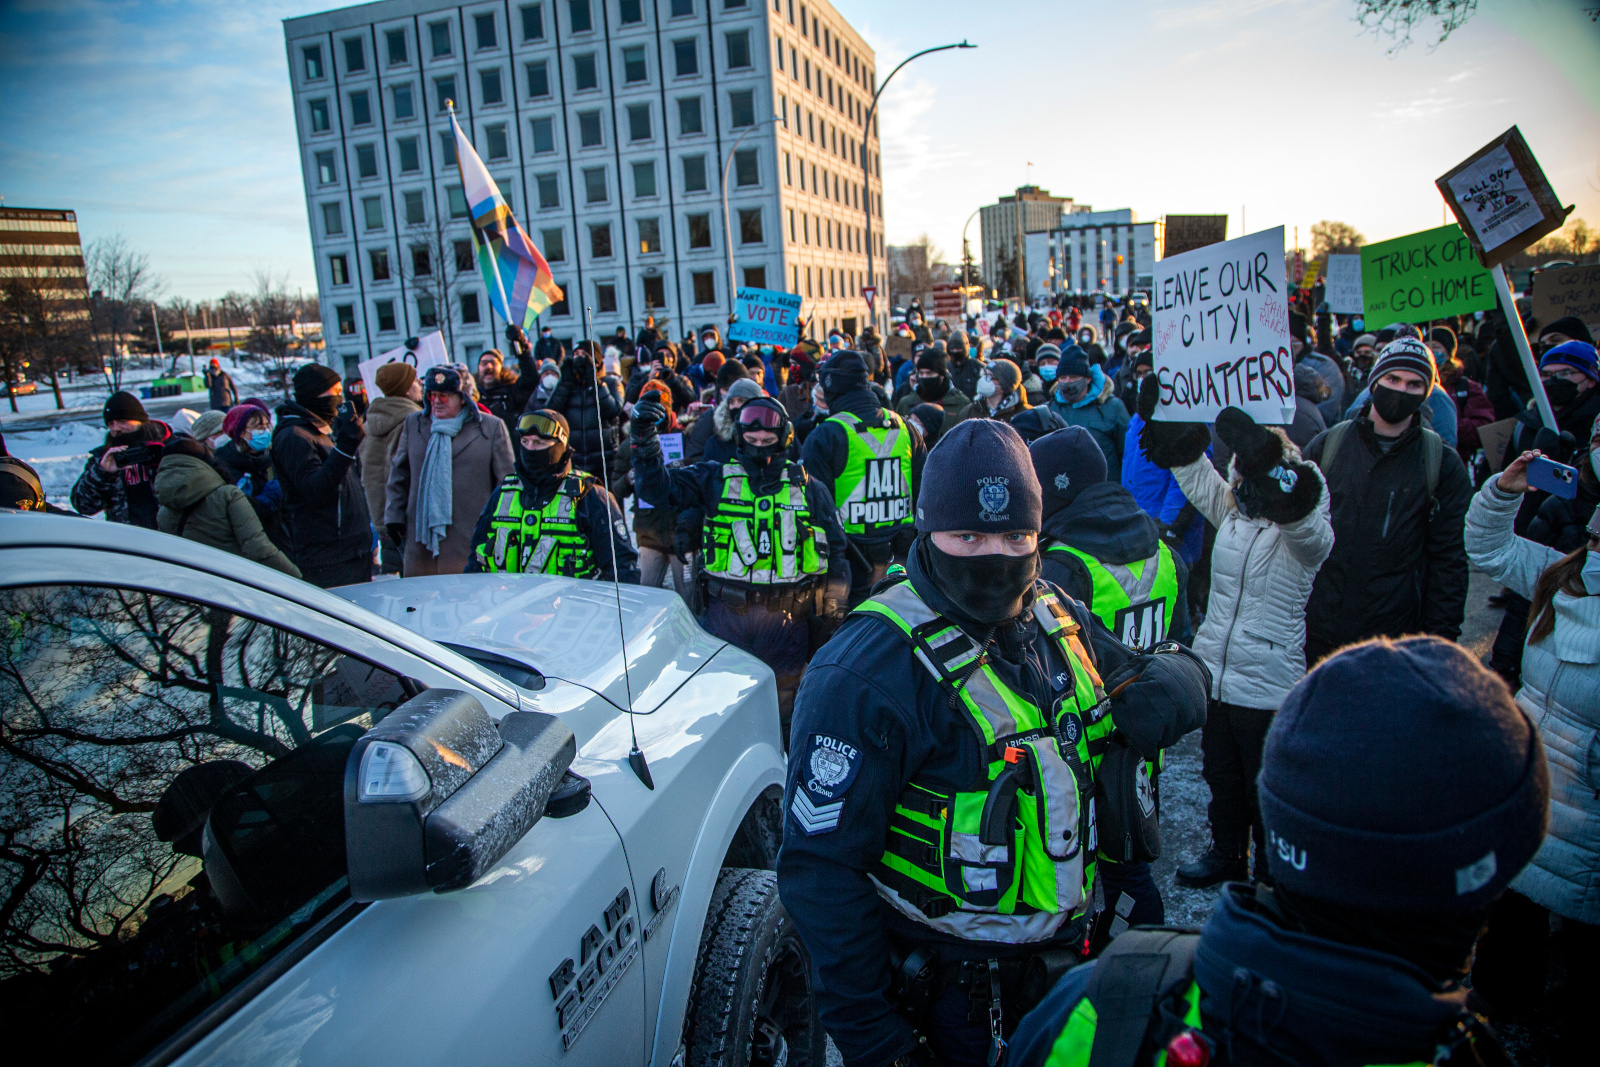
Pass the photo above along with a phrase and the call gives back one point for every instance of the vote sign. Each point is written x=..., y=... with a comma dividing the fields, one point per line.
x=1221, y=332
x=765, y=317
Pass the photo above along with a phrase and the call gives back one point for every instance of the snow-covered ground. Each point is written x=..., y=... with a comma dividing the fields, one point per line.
x=90, y=391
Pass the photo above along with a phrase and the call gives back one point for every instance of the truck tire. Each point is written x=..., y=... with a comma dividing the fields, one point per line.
x=752, y=1000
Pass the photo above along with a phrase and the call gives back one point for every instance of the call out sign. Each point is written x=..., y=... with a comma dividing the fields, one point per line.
x=1423, y=276
x=1220, y=331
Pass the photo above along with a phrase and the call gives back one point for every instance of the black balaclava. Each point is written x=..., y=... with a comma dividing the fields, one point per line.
x=312, y=380
x=539, y=465
x=986, y=589
x=761, y=455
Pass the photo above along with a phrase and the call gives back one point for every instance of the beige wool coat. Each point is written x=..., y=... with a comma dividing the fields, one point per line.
x=482, y=458
x=385, y=416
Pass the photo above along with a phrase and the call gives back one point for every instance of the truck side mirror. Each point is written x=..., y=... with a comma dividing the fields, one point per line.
x=436, y=793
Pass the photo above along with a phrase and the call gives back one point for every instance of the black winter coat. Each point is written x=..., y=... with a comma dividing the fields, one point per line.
x=324, y=502
x=595, y=431
x=1392, y=570
x=964, y=375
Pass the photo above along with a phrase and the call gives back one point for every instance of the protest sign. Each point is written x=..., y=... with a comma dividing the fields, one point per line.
x=1565, y=291
x=1185, y=233
x=1315, y=271
x=1502, y=199
x=1221, y=331
x=1344, y=285
x=1423, y=276
x=765, y=317
x=430, y=352
x=1493, y=439
x=897, y=347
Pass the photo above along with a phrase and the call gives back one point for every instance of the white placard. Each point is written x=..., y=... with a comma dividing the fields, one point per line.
x=1495, y=198
x=1221, y=331
x=1344, y=285
x=430, y=353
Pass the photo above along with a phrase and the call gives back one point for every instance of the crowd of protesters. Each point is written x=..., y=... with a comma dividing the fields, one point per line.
x=1275, y=545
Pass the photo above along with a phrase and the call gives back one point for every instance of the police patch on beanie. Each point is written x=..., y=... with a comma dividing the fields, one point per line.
x=994, y=498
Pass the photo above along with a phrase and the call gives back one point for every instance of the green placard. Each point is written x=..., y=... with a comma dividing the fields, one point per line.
x=1423, y=276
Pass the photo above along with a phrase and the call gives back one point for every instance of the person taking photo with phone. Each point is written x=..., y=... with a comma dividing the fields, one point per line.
x=1560, y=691
x=119, y=477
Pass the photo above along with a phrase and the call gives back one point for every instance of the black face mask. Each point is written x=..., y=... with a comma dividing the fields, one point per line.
x=933, y=390
x=534, y=464
x=325, y=408
x=1395, y=406
x=1560, y=391
x=986, y=589
x=957, y=354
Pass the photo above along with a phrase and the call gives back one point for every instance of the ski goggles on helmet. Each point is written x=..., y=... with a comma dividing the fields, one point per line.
x=536, y=423
x=760, y=414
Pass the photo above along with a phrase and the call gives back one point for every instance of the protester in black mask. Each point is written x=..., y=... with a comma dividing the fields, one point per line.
x=1399, y=497
x=548, y=519
x=119, y=475
x=324, y=503
x=879, y=726
x=965, y=367
x=931, y=384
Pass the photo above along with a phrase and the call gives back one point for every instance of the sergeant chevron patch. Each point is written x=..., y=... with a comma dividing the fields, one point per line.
x=815, y=818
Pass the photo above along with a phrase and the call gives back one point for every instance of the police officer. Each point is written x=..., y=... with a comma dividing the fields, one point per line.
x=938, y=846
x=1387, y=848
x=871, y=461
x=547, y=518
x=772, y=551
x=1102, y=550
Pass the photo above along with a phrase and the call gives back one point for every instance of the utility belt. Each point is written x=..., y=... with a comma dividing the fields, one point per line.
x=796, y=598
x=996, y=989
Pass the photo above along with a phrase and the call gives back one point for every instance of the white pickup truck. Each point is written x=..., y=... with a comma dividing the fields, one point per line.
x=247, y=821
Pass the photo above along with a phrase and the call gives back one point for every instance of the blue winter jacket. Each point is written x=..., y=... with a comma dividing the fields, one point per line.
x=1157, y=491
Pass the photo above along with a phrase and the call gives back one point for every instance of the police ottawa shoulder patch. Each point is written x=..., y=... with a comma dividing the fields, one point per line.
x=827, y=771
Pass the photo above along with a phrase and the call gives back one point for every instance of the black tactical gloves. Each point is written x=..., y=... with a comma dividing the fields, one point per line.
x=348, y=433
x=647, y=415
x=1168, y=444
x=1273, y=486
x=1163, y=696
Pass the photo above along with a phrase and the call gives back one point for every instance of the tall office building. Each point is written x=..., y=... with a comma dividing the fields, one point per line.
x=42, y=244
x=608, y=125
x=1093, y=251
x=1002, y=225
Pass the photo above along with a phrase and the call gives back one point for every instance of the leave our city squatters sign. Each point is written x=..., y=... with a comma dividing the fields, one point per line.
x=766, y=317
x=1221, y=332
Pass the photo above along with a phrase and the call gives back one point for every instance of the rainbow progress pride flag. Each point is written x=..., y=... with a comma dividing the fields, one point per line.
x=518, y=278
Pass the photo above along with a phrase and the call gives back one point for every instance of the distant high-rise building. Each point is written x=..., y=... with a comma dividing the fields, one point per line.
x=608, y=125
x=1087, y=252
x=43, y=244
x=1031, y=209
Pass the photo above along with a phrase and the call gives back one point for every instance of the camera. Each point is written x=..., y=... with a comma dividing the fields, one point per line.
x=137, y=454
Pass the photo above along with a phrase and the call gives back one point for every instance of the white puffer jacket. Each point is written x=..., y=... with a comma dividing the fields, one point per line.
x=1561, y=694
x=1254, y=635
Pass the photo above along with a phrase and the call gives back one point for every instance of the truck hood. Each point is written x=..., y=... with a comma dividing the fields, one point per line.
x=564, y=628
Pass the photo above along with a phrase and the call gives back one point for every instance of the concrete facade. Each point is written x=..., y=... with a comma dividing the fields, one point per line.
x=607, y=125
x=1093, y=251
x=1031, y=207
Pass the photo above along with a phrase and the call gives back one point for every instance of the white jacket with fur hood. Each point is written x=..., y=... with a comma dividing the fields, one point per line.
x=1253, y=638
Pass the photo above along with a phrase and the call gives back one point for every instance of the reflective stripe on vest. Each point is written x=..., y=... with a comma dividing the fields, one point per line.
x=1135, y=600
x=1075, y=1044
x=542, y=541
x=936, y=868
x=765, y=540
x=873, y=491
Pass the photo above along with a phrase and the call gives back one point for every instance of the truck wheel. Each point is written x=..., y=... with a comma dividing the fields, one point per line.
x=752, y=997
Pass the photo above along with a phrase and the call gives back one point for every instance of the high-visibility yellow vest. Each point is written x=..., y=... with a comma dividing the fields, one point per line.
x=873, y=492
x=1134, y=600
x=543, y=540
x=764, y=540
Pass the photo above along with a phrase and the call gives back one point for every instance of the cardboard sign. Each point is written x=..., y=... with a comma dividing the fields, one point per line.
x=430, y=353
x=1221, y=332
x=897, y=347
x=1343, y=292
x=1494, y=439
x=1568, y=291
x=1185, y=233
x=1502, y=199
x=1423, y=276
x=765, y=317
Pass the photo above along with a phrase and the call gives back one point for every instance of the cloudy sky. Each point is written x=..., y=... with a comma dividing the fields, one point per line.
x=169, y=122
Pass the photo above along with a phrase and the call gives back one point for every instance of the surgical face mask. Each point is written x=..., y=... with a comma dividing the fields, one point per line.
x=260, y=440
x=986, y=387
x=549, y=381
x=986, y=589
x=1047, y=372
x=1591, y=573
x=1394, y=405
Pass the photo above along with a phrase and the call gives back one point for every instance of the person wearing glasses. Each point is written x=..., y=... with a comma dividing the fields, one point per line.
x=546, y=518
x=1570, y=374
x=773, y=552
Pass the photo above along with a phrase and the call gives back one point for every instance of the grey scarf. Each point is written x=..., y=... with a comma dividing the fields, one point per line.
x=435, y=486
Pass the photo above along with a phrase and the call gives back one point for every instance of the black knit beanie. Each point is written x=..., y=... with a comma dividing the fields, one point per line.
x=979, y=477
x=124, y=405
x=1067, y=462
x=931, y=358
x=1401, y=776
x=312, y=380
x=843, y=372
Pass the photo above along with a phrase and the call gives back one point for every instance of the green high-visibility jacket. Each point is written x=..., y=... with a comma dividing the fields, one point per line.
x=539, y=541
x=764, y=540
x=1135, y=600
x=873, y=491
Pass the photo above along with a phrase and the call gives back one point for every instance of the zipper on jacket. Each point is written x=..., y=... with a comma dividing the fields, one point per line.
x=1388, y=513
x=1238, y=602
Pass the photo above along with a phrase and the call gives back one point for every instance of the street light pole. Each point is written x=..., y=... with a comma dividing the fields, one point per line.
x=866, y=159
x=966, y=257
x=727, y=226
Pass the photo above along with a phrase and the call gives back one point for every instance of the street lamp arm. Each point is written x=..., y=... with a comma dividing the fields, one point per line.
x=866, y=158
